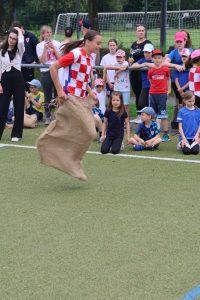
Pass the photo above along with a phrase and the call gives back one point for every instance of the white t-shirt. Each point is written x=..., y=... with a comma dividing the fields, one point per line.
x=109, y=59
x=122, y=81
x=51, y=58
x=102, y=100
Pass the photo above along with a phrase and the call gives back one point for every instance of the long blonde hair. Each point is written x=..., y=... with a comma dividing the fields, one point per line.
x=42, y=30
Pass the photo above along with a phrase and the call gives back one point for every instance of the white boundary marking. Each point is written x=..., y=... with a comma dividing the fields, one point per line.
x=118, y=155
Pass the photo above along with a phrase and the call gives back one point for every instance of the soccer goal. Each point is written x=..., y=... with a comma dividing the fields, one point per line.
x=121, y=25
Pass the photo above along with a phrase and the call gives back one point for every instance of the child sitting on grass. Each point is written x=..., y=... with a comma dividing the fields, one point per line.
x=189, y=125
x=35, y=100
x=147, y=134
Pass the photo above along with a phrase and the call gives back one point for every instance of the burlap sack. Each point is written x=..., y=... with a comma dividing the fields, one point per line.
x=67, y=138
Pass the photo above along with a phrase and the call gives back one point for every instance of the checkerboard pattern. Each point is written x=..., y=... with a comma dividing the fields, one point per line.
x=194, y=80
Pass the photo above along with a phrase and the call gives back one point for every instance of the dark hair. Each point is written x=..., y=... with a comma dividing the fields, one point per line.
x=114, y=41
x=90, y=35
x=16, y=24
x=4, y=46
x=140, y=25
x=187, y=95
x=188, y=43
x=121, y=108
x=69, y=31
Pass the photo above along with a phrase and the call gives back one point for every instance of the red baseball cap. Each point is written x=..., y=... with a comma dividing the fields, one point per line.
x=157, y=52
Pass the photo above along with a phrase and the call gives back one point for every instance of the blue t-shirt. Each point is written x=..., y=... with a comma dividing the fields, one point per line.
x=175, y=59
x=190, y=120
x=183, y=77
x=115, y=123
x=147, y=133
x=144, y=77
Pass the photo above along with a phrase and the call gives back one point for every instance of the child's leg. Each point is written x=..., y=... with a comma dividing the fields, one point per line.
x=133, y=141
x=194, y=148
x=106, y=145
x=156, y=142
x=186, y=149
x=126, y=100
x=116, y=145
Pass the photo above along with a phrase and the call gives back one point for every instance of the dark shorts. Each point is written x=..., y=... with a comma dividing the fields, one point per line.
x=159, y=103
x=197, y=101
x=176, y=92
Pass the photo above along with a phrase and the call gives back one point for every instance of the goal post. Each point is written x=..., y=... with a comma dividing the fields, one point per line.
x=121, y=25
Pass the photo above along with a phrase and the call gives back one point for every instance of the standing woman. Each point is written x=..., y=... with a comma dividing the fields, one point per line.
x=12, y=82
x=137, y=53
x=68, y=137
x=47, y=52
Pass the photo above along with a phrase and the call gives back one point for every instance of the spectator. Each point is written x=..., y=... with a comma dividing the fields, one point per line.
x=144, y=95
x=98, y=117
x=159, y=81
x=113, y=127
x=12, y=82
x=68, y=34
x=122, y=81
x=147, y=134
x=100, y=93
x=136, y=53
x=175, y=58
x=110, y=59
x=35, y=100
x=29, y=56
x=194, y=76
x=48, y=53
x=182, y=78
x=189, y=125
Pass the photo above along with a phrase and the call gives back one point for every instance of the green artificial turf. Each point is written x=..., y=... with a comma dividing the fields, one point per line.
x=130, y=232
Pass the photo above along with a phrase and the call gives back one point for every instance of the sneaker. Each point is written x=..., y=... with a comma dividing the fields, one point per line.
x=165, y=137
x=15, y=139
x=47, y=121
x=137, y=120
x=178, y=146
x=138, y=148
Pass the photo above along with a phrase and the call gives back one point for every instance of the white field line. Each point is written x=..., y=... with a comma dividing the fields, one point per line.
x=118, y=155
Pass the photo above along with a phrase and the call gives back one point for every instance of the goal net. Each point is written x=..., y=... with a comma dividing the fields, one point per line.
x=121, y=25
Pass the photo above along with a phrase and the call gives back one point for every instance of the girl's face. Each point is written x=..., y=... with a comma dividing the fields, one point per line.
x=147, y=55
x=120, y=59
x=180, y=45
x=112, y=47
x=190, y=102
x=12, y=39
x=47, y=34
x=94, y=45
x=116, y=101
x=99, y=88
x=33, y=89
x=184, y=58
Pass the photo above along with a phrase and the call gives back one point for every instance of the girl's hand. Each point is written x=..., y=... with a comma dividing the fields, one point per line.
x=1, y=89
x=147, y=143
x=179, y=68
x=102, y=139
x=61, y=97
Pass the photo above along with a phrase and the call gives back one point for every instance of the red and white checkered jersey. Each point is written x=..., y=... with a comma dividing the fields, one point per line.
x=194, y=80
x=77, y=74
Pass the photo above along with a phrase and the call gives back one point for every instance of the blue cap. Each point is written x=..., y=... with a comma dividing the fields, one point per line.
x=87, y=24
x=35, y=83
x=148, y=110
